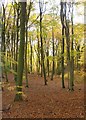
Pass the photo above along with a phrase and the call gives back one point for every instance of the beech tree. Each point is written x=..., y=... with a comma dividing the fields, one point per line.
x=41, y=38
x=18, y=96
x=63, y=34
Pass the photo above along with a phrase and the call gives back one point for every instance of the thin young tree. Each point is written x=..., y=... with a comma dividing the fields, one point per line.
x=41, y=39
x=72, y=45
x=53, y=66
x=17, y=37
x=38, y=55
x=63, y=33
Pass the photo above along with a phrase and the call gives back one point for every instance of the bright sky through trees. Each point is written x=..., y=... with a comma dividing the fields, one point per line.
x=78, y=11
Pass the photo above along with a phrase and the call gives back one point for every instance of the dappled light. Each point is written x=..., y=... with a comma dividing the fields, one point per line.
x=42, y=59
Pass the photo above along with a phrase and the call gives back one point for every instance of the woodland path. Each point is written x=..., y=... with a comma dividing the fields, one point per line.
x=44, y=101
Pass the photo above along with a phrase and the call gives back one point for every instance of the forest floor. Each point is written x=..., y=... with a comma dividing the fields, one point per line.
x=40, y=101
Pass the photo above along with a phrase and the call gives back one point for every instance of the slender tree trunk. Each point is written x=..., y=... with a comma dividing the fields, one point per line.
x=26, y=71
x=17, y=40
x=14, y=38
x=11, y=64
x=38, y=48
x=72, y=50
x=48, y=68
x=31, y=53
x=57, y=62
x=53, y=69
x=42, y=51
x=63, y=33
x=63, y=86
x=78, y=57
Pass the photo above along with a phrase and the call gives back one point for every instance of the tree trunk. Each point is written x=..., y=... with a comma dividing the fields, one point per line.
x=63, y=30
x=31, y=53
x=42, y=52
x=26, y=71
x=48, y=68
x=18, y=96
x=53, y=55
x=67, y=33
x=38, y=48
x=72, y=50
x=17, y=40
x=3, y=43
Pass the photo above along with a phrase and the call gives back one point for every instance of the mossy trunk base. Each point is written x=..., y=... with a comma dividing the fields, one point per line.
x=18, y=97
